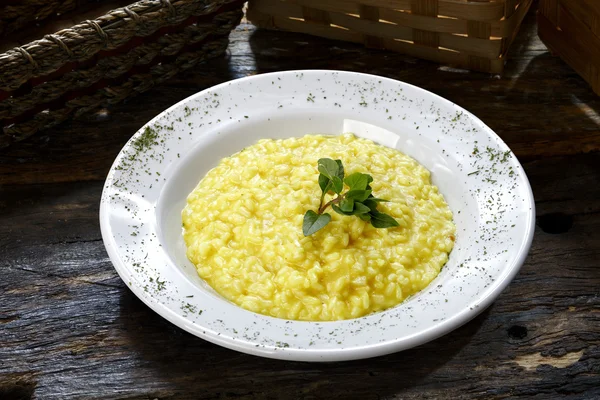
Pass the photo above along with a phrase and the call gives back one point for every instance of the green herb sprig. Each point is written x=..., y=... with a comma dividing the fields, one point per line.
x=357, y=200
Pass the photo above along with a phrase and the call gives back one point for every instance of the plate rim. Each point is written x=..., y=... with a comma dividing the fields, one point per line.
x=334, y=354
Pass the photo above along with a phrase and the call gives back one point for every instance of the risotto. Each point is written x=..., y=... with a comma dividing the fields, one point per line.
x=243, y=229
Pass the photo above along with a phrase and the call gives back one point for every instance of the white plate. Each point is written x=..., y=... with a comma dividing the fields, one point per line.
x=481, y=180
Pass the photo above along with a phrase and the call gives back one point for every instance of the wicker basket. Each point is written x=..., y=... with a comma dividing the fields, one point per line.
x=571, y=29
x=103, y=61
x=468, y=34
x=16, y=14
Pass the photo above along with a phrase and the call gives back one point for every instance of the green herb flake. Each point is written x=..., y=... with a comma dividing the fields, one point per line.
x=145, y=141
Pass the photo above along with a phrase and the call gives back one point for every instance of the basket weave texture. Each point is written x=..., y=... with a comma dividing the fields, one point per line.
x=469, y=34
x=571, y=29
x=16, y=14
x=104, y=61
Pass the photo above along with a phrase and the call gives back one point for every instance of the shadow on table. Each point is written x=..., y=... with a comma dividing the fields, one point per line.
x=282, y=51
x=174, y=358
x=84, y=148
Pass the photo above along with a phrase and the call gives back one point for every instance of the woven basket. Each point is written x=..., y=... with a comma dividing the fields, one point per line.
x=469, y=34
x=104, y=61
x=571, y=29
x=16, y=14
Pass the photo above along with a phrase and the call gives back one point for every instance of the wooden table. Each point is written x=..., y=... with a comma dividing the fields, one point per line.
x=70, y=328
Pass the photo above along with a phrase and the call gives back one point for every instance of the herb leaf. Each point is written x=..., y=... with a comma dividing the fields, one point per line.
x=347, y=205
x=365, y=217
x=371, y=202
x=382, y=220
x=313, y=222
x=360, y=208
x=340, y=173
x=358, y=181
x=328, y=167
x=358, y=195
x=323, y=182
x=358, y=200
x=338, y=210
x=337, y=185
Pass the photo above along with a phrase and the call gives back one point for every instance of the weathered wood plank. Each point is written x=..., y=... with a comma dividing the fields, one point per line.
x=540, y=107
x=70, y=327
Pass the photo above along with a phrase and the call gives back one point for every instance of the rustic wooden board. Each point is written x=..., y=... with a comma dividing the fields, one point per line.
x=69, y=328
x=540, y=107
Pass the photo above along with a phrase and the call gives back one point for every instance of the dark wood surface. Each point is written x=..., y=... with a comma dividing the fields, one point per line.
x=70, y=328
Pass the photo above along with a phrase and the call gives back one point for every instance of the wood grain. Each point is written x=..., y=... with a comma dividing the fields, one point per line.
x=540, y=107
x=69, y=328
